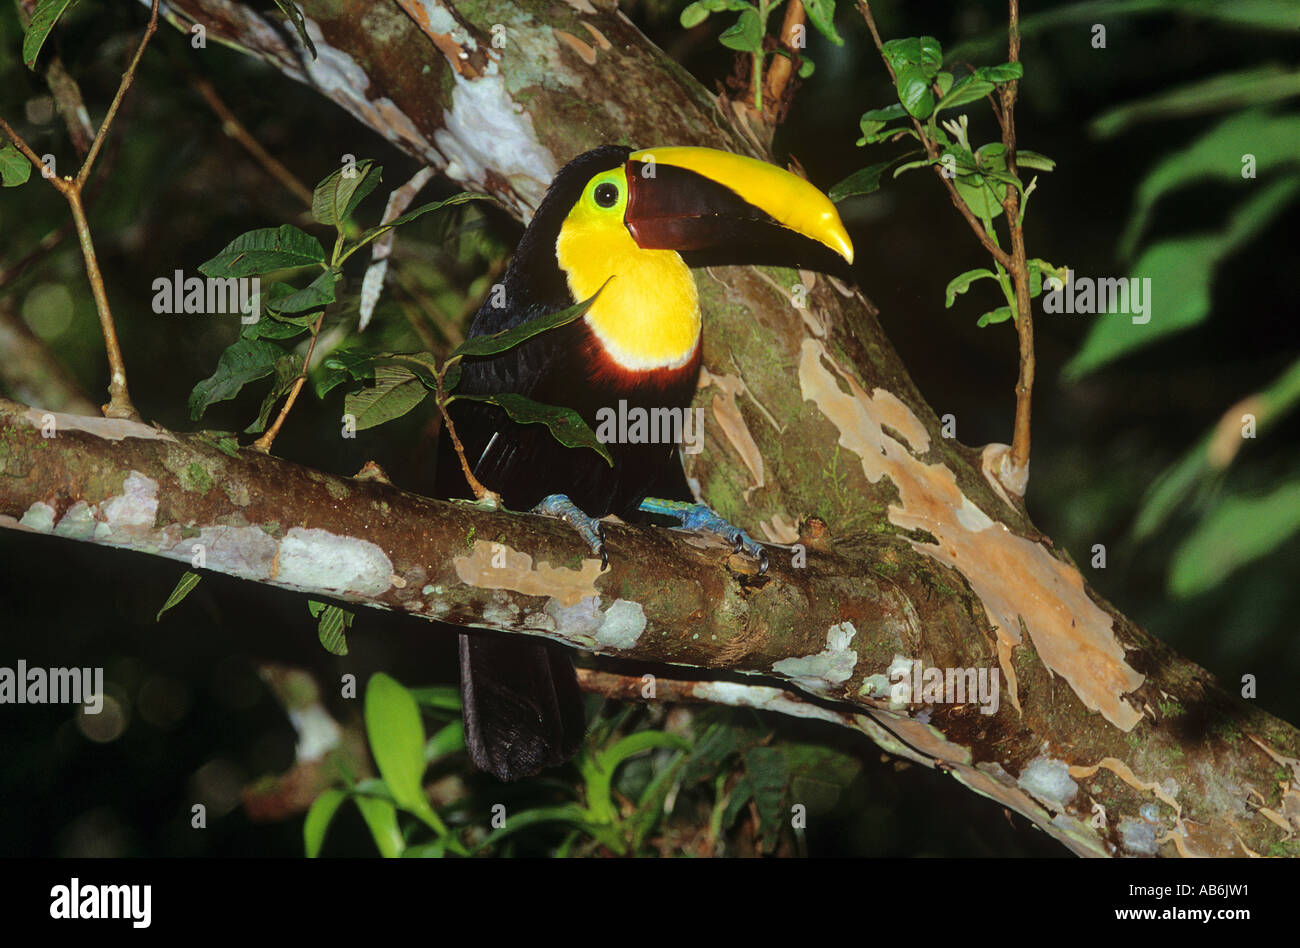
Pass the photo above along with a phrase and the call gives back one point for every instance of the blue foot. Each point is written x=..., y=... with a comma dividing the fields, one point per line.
x=700, y=518
x=591, y=529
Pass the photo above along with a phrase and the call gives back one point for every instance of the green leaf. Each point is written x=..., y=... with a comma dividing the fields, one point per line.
x=338, y=195
x=566, y=813
x=999, y=315
x=187, y=582
x=333, y=622
x=1040, y=270
x=340, y=365
x=509, y=338
x=965, y=90
x=931, y=55
x=262, y=251
x=1032, y=159
x=290, y=9
x=914, y=91
x=638, y=743
x=912, y=166
x=962, y=282
x=923, y=52
x=821, y=14
x=874, y=121
x=1217, y=156
x=1205, y=462
x=287, y=369
x=746, y=34
x=396, y=391
x=1238, y=532
x=381, y=816
x=440, y=698
x=367, y=236
x=448, y=740
x=1181, y=272
x=423, y=364
x=1007, y=72
x=696, y=13
x=315, y=296
x=1234, y=90
x=982, y=197
x=863, y=181
x=806, y=67
x=396, y=737
x=44, y=17
x=15, y=169
x=244, y=361
x=565, y=424
x=319, y=818
x=269, y=327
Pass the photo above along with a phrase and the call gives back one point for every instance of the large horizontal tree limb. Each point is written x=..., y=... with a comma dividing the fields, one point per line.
x=1199, y=774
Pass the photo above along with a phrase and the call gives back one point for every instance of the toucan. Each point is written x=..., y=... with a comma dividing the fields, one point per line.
x=625, y=227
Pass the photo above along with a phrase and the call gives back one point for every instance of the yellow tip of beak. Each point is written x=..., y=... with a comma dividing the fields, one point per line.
x=786, y=198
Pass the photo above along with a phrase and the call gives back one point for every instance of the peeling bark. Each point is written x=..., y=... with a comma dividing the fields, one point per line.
x=1220, y=774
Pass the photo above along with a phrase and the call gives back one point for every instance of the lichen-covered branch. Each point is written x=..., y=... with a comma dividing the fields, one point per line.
x=839, y=620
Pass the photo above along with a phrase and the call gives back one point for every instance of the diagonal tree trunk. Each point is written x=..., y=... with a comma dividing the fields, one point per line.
x=1103, y=736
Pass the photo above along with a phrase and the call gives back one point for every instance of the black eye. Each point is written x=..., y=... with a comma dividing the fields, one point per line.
x=606, y=194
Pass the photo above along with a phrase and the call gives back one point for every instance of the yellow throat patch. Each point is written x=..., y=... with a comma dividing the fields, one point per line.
x=648, y=317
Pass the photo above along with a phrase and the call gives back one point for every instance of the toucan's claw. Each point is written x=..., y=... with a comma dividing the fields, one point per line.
x=700, y=518
x=589, y=528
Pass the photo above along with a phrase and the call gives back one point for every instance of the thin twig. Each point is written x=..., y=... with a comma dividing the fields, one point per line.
x=1019, y=267
x=119, y=399
x=127, y=78
x=236, y=130
x=263, y=443
x=480, y=492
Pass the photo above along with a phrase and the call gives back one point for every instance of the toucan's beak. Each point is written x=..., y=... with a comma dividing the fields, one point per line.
x=714, y=208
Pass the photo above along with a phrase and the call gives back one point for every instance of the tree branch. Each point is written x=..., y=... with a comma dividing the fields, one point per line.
x=832, y=623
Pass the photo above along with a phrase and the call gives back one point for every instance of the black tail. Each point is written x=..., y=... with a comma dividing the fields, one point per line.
x=523, y=710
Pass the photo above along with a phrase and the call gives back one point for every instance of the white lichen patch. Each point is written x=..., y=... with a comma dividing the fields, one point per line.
x=622, y=624
x=1048, y=781
x=491, y=566
x=485, y=130
x=39, y=518
x=738, y=694
x=1015, y=578
x=129, y=516
x=585, y=623
x=78, y=523
x=1138, y=836
x=833, y=665
x=578, y=622
x=874, y=686
x=318, y=559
